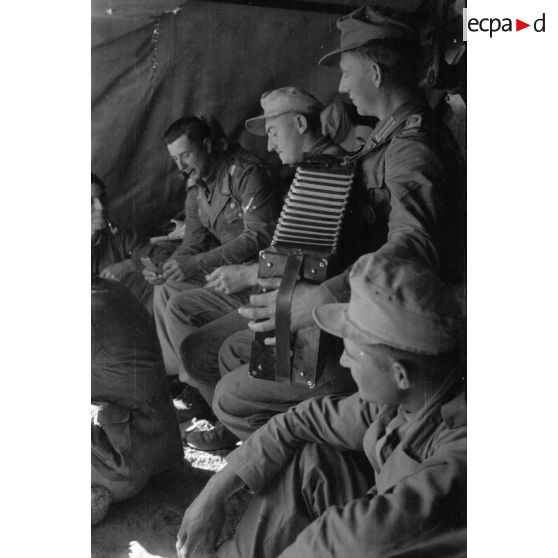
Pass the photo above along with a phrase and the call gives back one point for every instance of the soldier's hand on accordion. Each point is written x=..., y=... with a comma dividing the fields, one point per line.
x=261, y=311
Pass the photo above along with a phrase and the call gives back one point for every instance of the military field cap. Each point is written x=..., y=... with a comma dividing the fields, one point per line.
x=280, y=101
x=364, y=25
x=394, y=302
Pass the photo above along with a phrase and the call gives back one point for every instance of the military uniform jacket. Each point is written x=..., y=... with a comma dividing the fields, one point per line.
x=408, y=199
x=418, y=491
x=232, y=219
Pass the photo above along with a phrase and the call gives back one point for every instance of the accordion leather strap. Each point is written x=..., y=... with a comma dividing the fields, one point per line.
x=283, y=316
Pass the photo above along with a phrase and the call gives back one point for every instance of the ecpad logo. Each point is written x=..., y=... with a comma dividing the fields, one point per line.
x=493, y=25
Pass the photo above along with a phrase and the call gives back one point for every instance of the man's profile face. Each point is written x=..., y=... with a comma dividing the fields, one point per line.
x=191, y=157
x=371, y=371
x=98, y=219
x=284, y=138
x=356, y=81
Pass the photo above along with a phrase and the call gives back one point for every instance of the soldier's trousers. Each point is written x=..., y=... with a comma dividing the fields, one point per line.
x=181, y=307
x=318, y=477
x=243, y=403
x=199, y=352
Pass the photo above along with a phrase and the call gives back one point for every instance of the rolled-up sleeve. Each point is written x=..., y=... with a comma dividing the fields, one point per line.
x=340, y=422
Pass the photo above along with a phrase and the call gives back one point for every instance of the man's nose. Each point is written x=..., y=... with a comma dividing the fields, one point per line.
x=270, y=144
x=342, y=87
x=97, y=205
x=344, y=361
x=180, y=165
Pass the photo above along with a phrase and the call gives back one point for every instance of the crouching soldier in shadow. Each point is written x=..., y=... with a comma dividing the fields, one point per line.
x=134, y=433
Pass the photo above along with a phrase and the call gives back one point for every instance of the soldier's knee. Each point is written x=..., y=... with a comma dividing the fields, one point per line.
x=225, y=400
x=172, y=313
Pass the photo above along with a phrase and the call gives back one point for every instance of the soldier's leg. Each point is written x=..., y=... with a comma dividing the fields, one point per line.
x=161, y=295
x=243, y=403
x=199, y=352
x=189, y=310
x=318, y=477
x=141, y=289
x=235, y=351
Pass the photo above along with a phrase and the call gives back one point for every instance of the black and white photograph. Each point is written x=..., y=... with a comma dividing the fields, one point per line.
x=323, y=238
x=278, y=279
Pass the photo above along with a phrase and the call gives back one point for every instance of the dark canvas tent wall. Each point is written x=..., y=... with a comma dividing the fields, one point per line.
x=157, y=60
x=201, y=58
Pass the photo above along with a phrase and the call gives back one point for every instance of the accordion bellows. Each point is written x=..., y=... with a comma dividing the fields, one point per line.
x=313, y=210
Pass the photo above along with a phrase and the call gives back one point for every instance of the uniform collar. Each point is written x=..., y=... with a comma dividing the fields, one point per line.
x=386, y=127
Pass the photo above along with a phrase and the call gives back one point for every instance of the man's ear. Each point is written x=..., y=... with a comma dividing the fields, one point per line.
x=400, y=375
x=301, y=123
x=376, y=74
x=207, y=146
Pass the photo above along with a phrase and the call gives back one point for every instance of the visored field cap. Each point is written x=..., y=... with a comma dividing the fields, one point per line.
x=280, y=101
x=364, y=25
x=397, y=303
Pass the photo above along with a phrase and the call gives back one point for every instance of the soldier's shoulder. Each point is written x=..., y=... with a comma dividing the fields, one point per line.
x=240, y=160
x=454, y=412
x=422, y=131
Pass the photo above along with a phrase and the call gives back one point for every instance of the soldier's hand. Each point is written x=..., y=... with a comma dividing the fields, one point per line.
x=261, y=311
x=231, y=279
x=118, y=271
x=204, y=519
x=153, y=278
x=172, y=270
x=262, y=306
x=200, y=528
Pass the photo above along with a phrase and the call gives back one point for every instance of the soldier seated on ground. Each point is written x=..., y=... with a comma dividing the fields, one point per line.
x=116, y=251
x=134, y=433
x=371, y=474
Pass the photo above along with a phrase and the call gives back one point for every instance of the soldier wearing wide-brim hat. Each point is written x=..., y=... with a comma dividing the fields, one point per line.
x=369, y=24
x=376, y=473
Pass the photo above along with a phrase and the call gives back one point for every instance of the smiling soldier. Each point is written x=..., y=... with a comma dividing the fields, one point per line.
x=230, y=213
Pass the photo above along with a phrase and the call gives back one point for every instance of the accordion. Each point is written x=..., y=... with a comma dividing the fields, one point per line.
x=304, y=246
